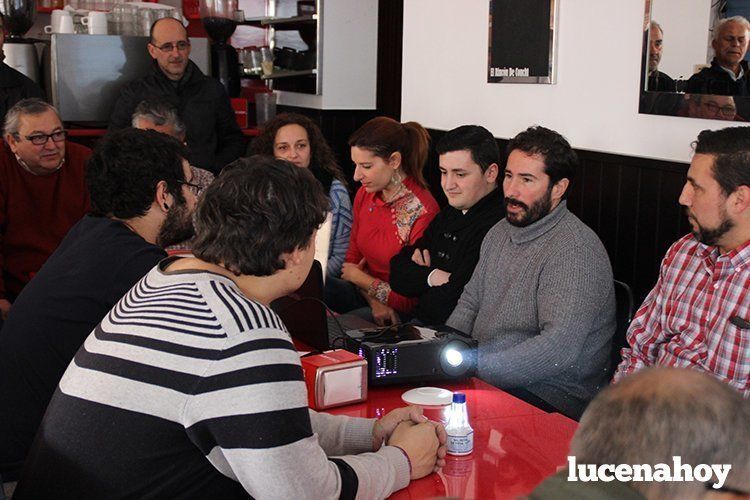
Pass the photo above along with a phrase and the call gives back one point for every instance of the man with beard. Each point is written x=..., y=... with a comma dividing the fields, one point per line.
x=698, y=314
x=142, y=200
x=657, y=81
x=541, y=301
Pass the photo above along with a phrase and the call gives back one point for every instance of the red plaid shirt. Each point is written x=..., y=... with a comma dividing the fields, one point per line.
x=697, y=316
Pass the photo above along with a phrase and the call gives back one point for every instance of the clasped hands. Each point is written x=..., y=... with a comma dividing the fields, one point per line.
x=423, y=440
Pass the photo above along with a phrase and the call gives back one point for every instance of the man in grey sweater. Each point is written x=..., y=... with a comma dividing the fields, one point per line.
x=541, y=301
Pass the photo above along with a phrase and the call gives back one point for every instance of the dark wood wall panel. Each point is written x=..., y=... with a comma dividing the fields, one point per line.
x=632, y=204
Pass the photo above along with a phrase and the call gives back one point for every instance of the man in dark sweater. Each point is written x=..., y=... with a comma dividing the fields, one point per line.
x=142, y=200
x=436, y=268
x=42, y=193
x=213, y=136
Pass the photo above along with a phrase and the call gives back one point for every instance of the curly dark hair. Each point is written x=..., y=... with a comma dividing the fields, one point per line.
x=560, y=161
x=322, y=161
x=258, y=209
x=125, y=168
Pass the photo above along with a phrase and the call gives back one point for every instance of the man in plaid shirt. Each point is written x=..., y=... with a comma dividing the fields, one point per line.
x=698, y=314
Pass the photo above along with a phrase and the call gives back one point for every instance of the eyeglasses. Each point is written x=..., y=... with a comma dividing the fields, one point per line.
x=169, y=47
x=194, y=188
x=40, y=139
x=714, y=109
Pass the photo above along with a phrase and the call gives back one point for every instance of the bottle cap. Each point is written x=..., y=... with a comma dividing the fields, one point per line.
x=459, y=397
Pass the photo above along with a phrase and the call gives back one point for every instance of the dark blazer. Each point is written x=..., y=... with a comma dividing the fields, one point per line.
x=715, y=80
x=454, y=240
x=15, y=86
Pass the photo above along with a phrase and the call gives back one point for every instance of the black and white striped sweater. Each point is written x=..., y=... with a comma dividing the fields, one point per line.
x=186, y=389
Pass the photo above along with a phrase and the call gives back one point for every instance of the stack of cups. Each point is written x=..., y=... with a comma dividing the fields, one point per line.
x=96, y=22
x=124, y=19
x=61, y=22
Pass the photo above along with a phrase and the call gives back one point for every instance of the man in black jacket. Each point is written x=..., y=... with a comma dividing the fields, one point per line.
x=213, y=136
x=728, y=73
x=14, y=86
x=436, y=268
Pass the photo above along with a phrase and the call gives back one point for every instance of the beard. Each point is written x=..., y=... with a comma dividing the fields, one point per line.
x=653, y=64
x=539, y=209
x=710, y=236
x=177, y=226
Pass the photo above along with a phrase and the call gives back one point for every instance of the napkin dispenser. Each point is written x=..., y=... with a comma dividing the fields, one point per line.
x=334, y=378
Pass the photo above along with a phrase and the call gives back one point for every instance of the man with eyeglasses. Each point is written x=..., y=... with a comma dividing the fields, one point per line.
x=142, y=197
x=42, y=193
x=212, y=135
x=712, y=107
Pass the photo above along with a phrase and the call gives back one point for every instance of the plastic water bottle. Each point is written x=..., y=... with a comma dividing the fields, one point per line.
x=460, y=433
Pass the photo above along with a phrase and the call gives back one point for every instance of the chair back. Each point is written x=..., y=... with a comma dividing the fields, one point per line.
x=623, y=316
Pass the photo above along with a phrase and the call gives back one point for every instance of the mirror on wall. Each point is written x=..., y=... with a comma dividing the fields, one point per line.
x=694, y=60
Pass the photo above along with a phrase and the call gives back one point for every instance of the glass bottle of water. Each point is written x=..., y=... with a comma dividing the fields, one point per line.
x=460, y=433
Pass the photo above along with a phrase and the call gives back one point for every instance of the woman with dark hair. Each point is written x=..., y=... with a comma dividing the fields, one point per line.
x=391, y=210
x=297, y=139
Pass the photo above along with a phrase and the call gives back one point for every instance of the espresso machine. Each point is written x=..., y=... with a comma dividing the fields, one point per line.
x=20, y=52
x=219, y=18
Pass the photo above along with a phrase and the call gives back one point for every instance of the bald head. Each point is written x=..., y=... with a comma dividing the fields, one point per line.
x=660, y=413
x=170, y=47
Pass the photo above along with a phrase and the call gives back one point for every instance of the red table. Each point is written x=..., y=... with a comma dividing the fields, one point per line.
x=516, y=445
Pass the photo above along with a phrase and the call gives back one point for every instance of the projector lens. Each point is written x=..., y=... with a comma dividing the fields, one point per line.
x=454, y=357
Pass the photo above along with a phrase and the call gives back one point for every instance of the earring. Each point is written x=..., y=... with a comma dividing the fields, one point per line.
x=396, y=178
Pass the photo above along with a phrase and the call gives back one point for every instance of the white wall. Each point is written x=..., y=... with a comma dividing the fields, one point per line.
x=685, y=25
x=594, y=102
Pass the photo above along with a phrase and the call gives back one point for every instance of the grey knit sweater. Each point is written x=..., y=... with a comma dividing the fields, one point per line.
x=541, y=303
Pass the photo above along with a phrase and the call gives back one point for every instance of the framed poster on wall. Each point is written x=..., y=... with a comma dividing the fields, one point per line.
x=522, y=41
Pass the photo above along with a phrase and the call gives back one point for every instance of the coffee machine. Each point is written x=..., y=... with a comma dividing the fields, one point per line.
x=219, y=18
x=20, y=52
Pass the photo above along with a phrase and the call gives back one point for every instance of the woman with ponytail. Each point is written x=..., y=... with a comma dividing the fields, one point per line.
x=391, y=210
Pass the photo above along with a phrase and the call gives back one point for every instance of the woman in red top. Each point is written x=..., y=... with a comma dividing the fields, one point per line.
x=391, y=210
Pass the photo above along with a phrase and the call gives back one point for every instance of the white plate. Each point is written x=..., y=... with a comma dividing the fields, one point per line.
x=428, y=397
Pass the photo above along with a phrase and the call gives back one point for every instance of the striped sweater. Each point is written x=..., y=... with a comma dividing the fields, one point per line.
x=188, y=389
